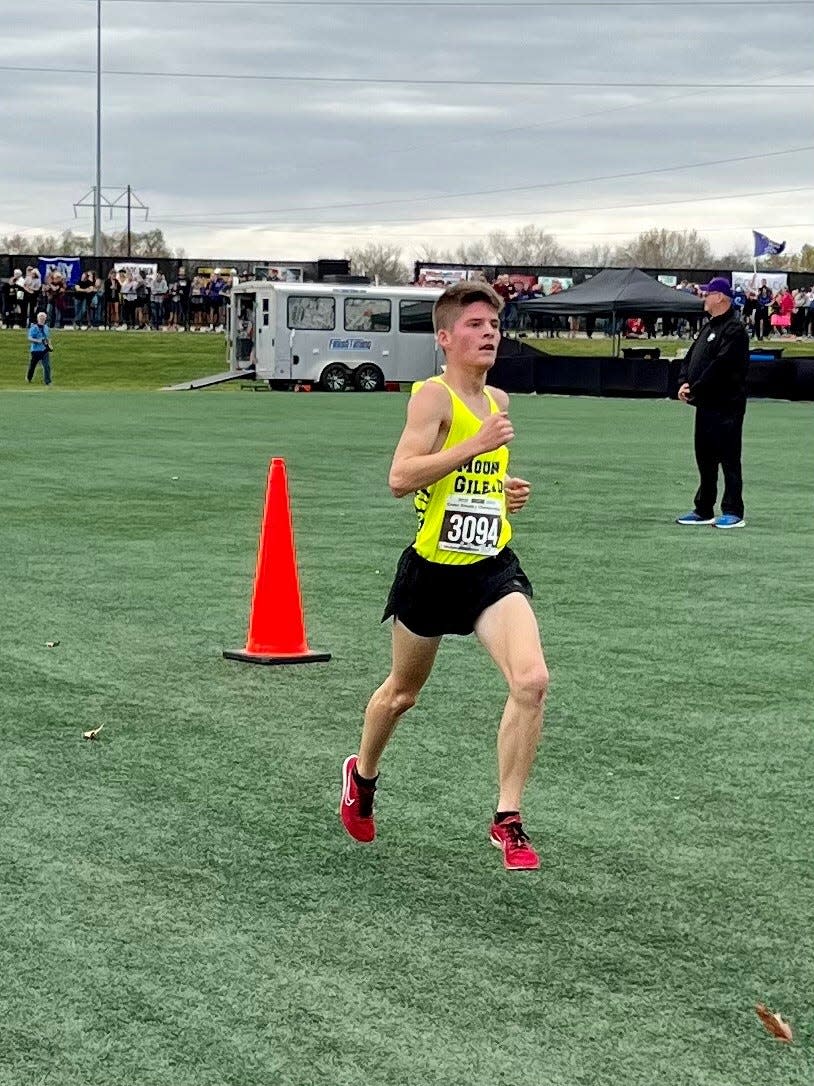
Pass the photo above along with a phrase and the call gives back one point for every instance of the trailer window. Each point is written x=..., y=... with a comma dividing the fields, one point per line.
x=367, y=315
x=415, y=316
x=314, y=312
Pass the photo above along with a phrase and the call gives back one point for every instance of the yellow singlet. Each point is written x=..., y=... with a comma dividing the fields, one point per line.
x=462, y=518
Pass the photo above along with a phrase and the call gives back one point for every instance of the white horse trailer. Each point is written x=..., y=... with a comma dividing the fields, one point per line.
x=334, y=336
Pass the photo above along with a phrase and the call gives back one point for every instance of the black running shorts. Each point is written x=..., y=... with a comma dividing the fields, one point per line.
x=432, y=599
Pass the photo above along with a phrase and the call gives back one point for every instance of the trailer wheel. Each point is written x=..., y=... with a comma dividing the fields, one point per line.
x=335, y=378
x=368, y=378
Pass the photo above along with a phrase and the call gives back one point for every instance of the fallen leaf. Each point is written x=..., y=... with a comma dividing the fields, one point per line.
x=774, y=1023
x=94, y=734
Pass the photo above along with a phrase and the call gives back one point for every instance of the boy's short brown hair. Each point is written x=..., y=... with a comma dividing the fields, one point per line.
x=456, y=298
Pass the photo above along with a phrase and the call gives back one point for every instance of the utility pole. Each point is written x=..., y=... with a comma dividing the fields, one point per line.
x=123, y=198
x=97, y=192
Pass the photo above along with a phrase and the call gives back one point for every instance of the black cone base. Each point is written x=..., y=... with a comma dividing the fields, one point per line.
x=258, y=658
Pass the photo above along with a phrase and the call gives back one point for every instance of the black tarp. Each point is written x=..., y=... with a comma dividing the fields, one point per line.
x=623, y=291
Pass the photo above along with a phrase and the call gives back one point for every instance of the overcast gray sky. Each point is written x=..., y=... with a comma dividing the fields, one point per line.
x=299, y=169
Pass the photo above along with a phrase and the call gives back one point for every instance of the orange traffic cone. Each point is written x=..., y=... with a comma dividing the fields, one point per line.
x=276, y=624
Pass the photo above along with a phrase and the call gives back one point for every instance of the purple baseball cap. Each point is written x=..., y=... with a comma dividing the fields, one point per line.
x=717, y=286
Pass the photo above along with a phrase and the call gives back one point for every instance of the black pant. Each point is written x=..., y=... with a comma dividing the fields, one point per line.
x=718, y=433
x=763, y=325
x=39, y=358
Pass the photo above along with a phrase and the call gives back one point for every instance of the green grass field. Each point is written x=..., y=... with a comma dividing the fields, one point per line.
x=116, y=360
x=180, y=906
x=148, y=360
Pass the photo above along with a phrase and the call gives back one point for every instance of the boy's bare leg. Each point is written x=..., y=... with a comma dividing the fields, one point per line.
x=509, y=632
x=413, y=658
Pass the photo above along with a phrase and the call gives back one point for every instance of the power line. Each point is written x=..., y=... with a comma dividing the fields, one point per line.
x=489, y=139
x=569, y=118
x=386, y=81
x=424, y=236
x=586, y=235
x=557, y=233
x=541, y=212
x=490, y=136
x=526, y=188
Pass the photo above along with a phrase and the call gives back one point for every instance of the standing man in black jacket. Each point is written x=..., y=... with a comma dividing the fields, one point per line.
x=713, y=379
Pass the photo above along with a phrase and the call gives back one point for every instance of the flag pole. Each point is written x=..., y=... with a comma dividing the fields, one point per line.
x=754, y=261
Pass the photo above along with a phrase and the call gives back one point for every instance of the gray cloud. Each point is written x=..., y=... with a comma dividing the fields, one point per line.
x=207, y=147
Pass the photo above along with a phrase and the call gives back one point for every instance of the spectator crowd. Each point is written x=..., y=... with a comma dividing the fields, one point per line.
x=132, y=299
x=765, y=312
x=137, y=299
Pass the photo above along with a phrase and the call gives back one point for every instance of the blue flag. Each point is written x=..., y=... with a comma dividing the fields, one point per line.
x=765, y=246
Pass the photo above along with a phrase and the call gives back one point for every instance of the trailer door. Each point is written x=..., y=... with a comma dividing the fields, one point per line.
x=306, y=323
x=242, y=329
x=418, y=355
x=265, y=339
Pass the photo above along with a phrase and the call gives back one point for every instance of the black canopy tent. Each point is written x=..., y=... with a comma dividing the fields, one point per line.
x=618, y=292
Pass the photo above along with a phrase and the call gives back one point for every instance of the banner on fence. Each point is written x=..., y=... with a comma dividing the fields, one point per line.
x=67, y=266
x=134, y=267
x=554, y=284
x=444, y=277
x=277, y=274
x=750, y=280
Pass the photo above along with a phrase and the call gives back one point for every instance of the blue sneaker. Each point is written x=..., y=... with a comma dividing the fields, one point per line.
x=693, y=518
x=729, y=520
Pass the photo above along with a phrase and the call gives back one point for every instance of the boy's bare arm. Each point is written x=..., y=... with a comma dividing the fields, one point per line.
x=415, y=464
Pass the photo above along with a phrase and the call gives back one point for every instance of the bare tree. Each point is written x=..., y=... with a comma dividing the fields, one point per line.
x=148, y=243
x=668, y=249
x=380, y=262
x=38, y=244
x=735, y=259
x=472, y=252
x=804, y=260
x=527, y=245
x=431, y=254
x=597, y=256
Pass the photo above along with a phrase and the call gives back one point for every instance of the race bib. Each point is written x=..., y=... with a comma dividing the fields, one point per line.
x=471, y=525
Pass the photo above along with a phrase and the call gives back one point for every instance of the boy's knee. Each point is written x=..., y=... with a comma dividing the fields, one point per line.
x=530, y=686
x=396, y=697
x=401, y=700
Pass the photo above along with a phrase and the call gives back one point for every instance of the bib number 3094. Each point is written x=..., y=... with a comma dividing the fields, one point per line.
x=471, y=525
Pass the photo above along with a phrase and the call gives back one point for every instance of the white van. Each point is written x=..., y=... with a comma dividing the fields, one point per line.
x=333, y=336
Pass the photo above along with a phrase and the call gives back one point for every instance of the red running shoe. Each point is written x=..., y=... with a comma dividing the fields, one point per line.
x=356, y=805
x=518, y=851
